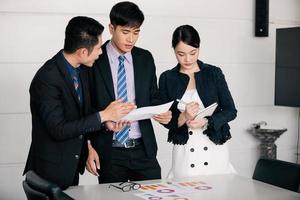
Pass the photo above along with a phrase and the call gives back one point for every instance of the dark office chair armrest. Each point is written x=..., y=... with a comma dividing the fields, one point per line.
x=42, y=185
x=34, y=194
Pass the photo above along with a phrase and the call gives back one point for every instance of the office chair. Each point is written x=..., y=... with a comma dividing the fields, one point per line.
x=279, y=173
x=33, y=194
x=37, y=188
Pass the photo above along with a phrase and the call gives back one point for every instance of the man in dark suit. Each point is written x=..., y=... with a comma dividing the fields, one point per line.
x=61, y=110
x=125, y=72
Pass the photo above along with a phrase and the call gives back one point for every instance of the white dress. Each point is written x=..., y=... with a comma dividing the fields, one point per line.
x=199, y=156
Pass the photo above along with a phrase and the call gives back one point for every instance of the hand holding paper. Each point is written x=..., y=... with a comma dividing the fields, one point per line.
x=116, y=110
x=208, y=111
x=199, y=121
x=163, y=118
x=147, y=112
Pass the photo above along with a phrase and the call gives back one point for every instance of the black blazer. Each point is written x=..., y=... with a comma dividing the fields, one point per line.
x=59, y=124
x=146, y=94
x=212, y=87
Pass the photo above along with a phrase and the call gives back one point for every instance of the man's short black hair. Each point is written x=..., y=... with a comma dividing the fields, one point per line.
x=82, y=32
x=126, y=14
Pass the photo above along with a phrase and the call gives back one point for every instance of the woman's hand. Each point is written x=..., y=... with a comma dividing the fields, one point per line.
x=197, y=123
x=191, y=110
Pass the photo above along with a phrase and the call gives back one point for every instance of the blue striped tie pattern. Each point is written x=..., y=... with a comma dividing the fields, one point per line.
x=76, y=86
x=123, y=134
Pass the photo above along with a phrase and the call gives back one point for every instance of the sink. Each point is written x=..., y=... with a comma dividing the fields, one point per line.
x=267, y=136
x=270, y=131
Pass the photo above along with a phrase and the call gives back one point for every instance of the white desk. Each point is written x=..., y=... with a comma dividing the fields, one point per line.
x=224, y=187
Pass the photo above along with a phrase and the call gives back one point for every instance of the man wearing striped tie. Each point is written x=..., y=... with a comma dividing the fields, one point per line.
x=125, y=72
x=62, y=116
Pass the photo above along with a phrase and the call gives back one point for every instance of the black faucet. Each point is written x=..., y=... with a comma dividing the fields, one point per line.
x=259, y=124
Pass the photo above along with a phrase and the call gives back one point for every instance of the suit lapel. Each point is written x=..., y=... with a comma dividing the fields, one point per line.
x=180, y=82
x=201, y=84
x=85, y=90
x=62, y=68
x=105, y=71
x=138, y=78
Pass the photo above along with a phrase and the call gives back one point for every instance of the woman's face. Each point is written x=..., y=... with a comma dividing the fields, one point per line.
x=186, y=55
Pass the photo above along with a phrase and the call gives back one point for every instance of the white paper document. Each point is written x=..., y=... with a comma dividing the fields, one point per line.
x=147, y=112
x=208, y=111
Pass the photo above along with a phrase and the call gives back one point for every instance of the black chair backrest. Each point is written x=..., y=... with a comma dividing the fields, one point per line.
x=40, y=185
x=279, y=173
x=32, y=194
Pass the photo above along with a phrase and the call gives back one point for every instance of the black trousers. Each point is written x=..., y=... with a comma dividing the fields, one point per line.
x=76, y=179
x=74, y=182
x=131, y=164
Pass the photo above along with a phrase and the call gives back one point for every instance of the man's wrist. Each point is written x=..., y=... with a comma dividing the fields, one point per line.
x=103, y=116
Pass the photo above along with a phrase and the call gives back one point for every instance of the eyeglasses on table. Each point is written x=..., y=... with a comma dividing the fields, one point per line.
x=126, y=186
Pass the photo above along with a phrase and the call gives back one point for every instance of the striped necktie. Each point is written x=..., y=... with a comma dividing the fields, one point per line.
x=76, y=86
x=123, y=134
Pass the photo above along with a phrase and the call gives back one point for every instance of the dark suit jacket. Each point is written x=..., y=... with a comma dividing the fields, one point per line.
x=59, y=124
x=211, y=87
x=146, y=93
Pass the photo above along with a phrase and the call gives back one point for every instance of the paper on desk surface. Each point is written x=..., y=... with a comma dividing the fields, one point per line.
x=147, y=112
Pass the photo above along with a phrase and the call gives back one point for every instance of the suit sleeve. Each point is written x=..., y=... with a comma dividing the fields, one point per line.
x=176, y=135
x=47, y=101
x=155, y=100
x=228, y=111
x=163, y=93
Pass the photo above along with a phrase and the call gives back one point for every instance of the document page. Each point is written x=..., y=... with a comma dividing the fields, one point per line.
x=208, y=111
x=147, y=112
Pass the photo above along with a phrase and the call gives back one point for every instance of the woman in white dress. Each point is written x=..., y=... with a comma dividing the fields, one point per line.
x=199, y=144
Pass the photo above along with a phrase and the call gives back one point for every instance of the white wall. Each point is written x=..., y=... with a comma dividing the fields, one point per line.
x=32, y=31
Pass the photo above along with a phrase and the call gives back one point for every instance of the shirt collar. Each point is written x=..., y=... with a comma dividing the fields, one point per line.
x=71, y=70
x=115, y=54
